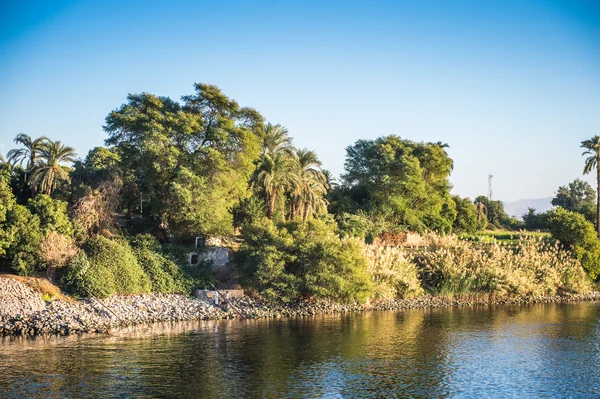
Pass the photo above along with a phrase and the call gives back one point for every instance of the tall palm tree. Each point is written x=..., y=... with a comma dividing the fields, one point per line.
x=275, y=175
x=276, y=141
x=330, y=180
x=593, y=150
x=277, y=166
x=310, y=187
x=48, y=169
x=29, y=153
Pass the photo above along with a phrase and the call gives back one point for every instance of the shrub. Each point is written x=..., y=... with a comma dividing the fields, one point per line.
x=79, y=279
x=304, y=259
x=57, y=249
x=265, y=257
x=573, y=231
x=357, y=226
x=20, y=234
x=113, y=269
x=165, y=275
x=466, y=220
x=24, y=238
x=52, y=214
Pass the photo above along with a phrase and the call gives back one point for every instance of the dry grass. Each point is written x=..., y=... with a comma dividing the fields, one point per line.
x=41, y=285
x=531, y=267
x=393, y=274
x=448, y=266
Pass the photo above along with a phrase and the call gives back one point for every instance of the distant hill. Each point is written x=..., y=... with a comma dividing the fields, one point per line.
x=519, y=208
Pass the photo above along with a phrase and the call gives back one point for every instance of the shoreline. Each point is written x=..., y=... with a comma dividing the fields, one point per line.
x=28, y=315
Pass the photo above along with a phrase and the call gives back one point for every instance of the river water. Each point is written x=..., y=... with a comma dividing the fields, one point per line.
x=534, y=351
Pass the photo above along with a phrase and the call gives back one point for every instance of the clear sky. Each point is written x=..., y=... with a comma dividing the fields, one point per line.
x=512, y=86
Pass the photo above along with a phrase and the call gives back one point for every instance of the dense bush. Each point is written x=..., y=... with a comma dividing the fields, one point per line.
x=576, y=233
x=307, y=260
x=535, y=221
x=20, y=234
x=52, y=214
x=113, y=269
x=354, y=225
x=165, y=275
x=24, y=236
x=466, y=220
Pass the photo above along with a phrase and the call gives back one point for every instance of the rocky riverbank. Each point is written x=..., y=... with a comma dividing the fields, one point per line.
x=23, y=312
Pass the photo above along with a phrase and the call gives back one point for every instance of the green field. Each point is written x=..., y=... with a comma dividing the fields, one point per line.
x=502, y=236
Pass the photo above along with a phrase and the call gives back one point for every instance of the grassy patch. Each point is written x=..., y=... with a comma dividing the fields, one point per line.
x=502, y=236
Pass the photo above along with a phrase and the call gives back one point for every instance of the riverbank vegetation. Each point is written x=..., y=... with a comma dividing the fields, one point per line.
x=125, y=218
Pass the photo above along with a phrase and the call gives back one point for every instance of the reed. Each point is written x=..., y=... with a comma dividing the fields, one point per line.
x=531, y=267
x=393, y=272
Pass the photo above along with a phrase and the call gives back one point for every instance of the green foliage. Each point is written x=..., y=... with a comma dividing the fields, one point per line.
x=191, y=162
x=113, y=269
x=249, y=211
x=466, y=220
x=573, y=231
x=304, y=259
x=577, y=196
x=496, y=216
x=196, y=276
x=20, y=233
x=48, y=171
x=406, y=181
x=7, y=202
x=22, y=229
x=52, y=213
x=165, y=275
x=77, y=279
x=534, y=221
x=354, y=225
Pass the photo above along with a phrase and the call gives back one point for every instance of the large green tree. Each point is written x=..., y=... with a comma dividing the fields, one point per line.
x=577, y=196
x=466, y=216
x=192, y=161
x=405, y=180
x=592, y=147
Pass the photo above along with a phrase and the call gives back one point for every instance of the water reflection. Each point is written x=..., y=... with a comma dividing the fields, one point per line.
x=504, y=351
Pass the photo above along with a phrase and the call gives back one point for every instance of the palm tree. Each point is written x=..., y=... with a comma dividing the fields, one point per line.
x=330, y=180
x=593, y=150
x=29, y=153
x=310, y=188
x=275, y=175
x=276, y=141
x=48, y=169
x=277, y=166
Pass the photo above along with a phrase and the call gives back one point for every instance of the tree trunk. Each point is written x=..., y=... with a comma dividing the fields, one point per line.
x=271, y=206
x=293, y=210
x=306, y=211
x=598, y=198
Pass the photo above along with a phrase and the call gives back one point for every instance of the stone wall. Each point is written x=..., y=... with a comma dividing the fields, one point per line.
x=218, y=256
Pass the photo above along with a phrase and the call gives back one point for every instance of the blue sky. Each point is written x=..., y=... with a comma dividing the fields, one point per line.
x=512, y=86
